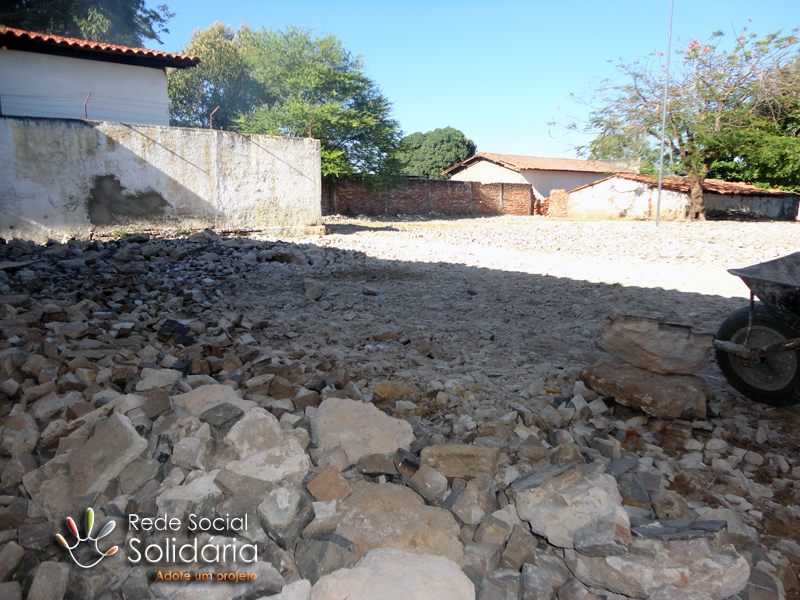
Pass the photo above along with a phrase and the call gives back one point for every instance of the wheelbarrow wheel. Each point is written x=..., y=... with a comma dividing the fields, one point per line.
x=773, y=380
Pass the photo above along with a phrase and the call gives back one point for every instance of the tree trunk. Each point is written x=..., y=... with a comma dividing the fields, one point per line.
x=697, y=209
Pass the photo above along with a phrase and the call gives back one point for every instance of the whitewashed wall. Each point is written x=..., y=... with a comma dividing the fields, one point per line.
x=64, y=176
x=42, y=85
x=618, y=198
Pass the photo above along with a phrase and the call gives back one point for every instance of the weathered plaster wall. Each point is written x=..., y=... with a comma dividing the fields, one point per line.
x=623, y=199
x=63, y=176
x=618, y=198
x=43, y=85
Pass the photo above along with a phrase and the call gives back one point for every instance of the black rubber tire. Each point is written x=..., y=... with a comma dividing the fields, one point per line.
x=773, y=380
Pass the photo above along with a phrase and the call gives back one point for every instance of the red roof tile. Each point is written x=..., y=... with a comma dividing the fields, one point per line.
x=40, y=42
x=534, y=163
x=714, y=186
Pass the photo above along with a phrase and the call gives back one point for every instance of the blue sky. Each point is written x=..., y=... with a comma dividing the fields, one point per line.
x=498, y=71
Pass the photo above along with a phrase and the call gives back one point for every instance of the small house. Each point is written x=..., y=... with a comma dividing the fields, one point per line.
x=631, y=196
x=542, y=174
x=52, y=76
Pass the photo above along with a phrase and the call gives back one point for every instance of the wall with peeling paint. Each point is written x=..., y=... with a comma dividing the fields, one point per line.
x=619, y=198
x=62, y=176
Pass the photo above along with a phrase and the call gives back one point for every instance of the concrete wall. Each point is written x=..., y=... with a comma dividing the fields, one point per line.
x=42, y=85
x=63, y=176
x=618, y=198
x=542, y=182
x=757, y=207
x=425, y=196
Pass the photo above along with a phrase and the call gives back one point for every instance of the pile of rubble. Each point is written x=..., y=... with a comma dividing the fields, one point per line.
x=303, y=468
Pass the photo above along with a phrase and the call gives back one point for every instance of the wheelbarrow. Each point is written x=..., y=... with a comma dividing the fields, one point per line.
x=758, y=346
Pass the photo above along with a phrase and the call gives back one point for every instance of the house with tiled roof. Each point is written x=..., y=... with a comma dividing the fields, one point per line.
x=632, y=196
x=542, y=174
x=52, y=76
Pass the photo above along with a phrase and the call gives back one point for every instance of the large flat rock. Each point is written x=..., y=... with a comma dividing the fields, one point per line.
x=691, y=565
x=661, y=396
x=390, y=516
x=392, y=574
x=459, y=460
x=561, y=506
x=208, y=396
x=359, y=428
x=655, y=346
x=284, y=462
x=257, y=431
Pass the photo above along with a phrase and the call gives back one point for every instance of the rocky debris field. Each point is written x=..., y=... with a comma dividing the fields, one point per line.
x=400, y=409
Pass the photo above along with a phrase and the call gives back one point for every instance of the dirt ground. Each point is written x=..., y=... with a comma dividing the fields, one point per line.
x=535, y=292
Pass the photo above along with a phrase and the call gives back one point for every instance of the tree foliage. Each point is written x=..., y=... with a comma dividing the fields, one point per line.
x=768, y=153
x=221, y=81
x=123, y=22
x=721, y=99
x=313, y=87
x=428, y=154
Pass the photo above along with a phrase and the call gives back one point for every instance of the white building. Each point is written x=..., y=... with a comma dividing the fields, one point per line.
x=635, y=197
x=542, y=174
x=52, y=76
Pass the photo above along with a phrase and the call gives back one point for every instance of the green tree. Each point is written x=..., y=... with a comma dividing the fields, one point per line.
x=428, y=154
x=313, y=87
x=221, y=81
x=717, y=98
x=768, y=153
x=123, y=22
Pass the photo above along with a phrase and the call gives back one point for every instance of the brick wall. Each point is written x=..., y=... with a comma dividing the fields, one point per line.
x=423, y=196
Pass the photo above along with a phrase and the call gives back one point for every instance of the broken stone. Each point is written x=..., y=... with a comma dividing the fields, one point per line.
x=428, y=483
x=670, y=505
x=662, y=396
x=397, y=574
x=284, y=513
x=692, y=565
x=606, y=535
x=492, y=530
x=562, y=505
x=535, y=584
x=323, y=555
x=285, y=462
x=157, y=378
x=50, y=581
x=359, y=428
x=391, y=516
x=459, y=460
x=19, y=434
x=10, y=556
x=221, y=418
x=257, y=431
x=657, y=347
x=329, y=485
